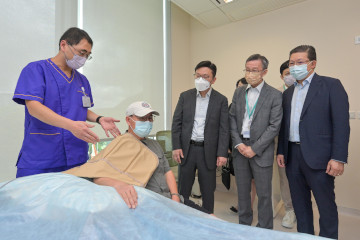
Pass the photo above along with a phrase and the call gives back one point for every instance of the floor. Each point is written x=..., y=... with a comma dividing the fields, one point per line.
x=349, y=223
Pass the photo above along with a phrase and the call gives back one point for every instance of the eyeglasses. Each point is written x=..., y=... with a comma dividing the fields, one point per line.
x=300, y=62
x=252, y=71
x=82, y=53
x=150, y=118
x=205, y=76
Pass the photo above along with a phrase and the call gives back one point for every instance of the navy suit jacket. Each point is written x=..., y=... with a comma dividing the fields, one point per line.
x=324, y=123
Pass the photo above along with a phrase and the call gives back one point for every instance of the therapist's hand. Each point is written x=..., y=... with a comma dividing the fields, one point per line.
x=82, y=131
x=108, y=124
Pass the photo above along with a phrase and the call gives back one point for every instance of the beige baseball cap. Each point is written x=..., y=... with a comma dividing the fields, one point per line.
x=140, y=109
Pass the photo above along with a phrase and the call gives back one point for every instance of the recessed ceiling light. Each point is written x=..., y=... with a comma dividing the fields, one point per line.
x=227, y=1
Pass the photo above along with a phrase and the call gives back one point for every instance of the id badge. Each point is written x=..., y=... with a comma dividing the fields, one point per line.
x=86, y=101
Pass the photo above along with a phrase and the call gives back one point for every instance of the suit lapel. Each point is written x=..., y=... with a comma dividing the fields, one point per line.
x=192, y=106
x=242, y=102
x=212, y=100
x=313, y=90
x=262, y=97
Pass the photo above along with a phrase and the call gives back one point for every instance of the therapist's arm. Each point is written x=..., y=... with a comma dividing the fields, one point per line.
x=107, y=123
x=126, y=191
x=79, y=129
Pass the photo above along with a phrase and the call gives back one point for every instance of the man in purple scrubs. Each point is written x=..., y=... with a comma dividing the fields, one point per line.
x=56, y=98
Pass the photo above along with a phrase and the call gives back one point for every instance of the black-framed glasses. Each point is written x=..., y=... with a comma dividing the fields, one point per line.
x=81, y=53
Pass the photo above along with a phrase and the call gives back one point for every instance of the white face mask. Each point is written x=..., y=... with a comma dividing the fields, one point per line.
x=201, y=84
x=289, y=80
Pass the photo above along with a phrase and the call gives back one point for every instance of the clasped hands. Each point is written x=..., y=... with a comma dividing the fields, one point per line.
x=245, y=150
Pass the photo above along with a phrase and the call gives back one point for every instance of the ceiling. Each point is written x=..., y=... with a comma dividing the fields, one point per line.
x=214, y=13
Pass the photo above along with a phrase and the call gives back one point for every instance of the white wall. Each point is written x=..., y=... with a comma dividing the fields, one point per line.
x=27, y=34
x=182, y=68
x=329, y=25
x=127, y=64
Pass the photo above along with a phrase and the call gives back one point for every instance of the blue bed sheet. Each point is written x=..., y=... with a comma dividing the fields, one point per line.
x=60, y=206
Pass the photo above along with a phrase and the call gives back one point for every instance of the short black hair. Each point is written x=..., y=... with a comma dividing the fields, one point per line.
x=74, y=35
x=284, y=66
x=310, y=50
x=264, y=61
x=241, y=80
x=207, y=64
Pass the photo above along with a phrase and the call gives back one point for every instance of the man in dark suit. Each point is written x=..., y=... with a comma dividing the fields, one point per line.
x=200, y=134
x=255, y=117
x=313, y=141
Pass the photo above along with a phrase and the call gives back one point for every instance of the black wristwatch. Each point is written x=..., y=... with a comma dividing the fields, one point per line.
x=98, y=119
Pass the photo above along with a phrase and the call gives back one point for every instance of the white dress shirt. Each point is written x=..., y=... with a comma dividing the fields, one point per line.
x=202, y=104
x=252, y=96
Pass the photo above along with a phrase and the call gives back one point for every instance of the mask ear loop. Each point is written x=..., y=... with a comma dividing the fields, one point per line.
x=134, y=122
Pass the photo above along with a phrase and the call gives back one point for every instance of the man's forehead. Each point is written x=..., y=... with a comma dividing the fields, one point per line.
x=298, y=55
x=203, y=70
x=254, y=64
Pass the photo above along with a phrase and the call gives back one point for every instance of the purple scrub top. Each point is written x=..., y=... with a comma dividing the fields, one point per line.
x=46, y=146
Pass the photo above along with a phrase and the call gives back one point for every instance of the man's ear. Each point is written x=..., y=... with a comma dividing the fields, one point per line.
x=213, y=81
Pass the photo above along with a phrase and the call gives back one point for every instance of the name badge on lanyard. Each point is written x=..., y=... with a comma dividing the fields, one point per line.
x=85, y=99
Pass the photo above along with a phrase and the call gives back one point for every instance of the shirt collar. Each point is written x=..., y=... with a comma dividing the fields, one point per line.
x=306, y=81
x=259, y=87
x=207, y=94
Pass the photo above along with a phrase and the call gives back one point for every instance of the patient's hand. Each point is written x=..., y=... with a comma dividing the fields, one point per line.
x=126, y=191
x=128, y=194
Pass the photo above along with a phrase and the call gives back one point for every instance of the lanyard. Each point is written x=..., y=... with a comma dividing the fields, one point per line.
x=284, y=87
x=247, y=106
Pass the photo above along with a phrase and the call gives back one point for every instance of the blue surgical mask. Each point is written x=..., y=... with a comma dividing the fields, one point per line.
x=299, y=71
x=142, y=129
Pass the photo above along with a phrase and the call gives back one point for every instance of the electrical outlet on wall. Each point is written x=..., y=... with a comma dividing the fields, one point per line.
x=357, y=40
x=358, y=114
x=352, y=115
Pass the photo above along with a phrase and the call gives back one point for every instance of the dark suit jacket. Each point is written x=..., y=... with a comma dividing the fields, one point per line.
x=265, y=124
x=216, y=132
x=324, y=123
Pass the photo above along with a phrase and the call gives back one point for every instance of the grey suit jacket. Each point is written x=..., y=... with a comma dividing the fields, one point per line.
x=216, y=132
x=265, y=125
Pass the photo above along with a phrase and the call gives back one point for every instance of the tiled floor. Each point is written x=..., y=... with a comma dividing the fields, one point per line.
x=349, y=227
